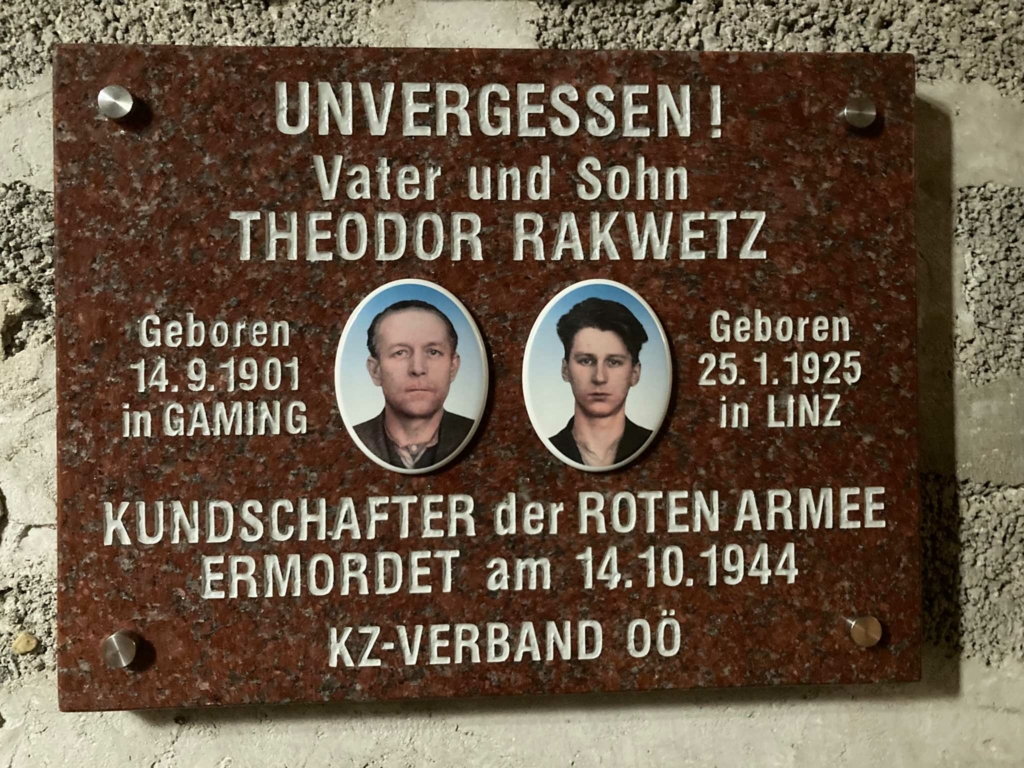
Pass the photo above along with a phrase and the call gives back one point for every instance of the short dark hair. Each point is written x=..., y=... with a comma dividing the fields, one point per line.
x=399, y=306
x=605, y=315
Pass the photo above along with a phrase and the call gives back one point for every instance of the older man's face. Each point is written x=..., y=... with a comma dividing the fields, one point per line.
x=600, y=371
x=415, y=365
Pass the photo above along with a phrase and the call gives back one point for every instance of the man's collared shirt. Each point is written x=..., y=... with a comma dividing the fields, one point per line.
x=450, y=435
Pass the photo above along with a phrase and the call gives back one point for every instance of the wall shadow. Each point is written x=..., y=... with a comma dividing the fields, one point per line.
x=940, y=676
x=938, y=276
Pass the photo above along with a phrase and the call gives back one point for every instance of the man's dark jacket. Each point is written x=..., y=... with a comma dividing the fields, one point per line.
x=633, y=438
x=450, y=434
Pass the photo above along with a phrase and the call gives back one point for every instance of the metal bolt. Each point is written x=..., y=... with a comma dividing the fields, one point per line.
x=115, y=102
x=866, y=631
x=119, y=650
x=860, y=111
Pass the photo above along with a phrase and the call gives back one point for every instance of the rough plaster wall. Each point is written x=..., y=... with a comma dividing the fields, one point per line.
x=28, y=30
x=26, y=266
x=970, y=113
x=990, y=223
x=963, y=40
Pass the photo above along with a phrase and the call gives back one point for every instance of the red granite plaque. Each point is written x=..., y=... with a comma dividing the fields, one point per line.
x=413, y=373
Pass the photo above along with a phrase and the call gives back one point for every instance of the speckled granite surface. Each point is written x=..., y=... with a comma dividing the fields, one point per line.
x=143, y=226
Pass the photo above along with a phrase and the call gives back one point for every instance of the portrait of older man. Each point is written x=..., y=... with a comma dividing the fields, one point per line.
x=414, y=360
x=602, y=340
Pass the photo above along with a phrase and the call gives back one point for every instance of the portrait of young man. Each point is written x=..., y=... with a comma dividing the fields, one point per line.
x=601, y=339
x=413, y=359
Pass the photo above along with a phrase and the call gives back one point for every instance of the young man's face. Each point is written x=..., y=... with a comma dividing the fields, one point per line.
x=415, y=364
x=600, y=371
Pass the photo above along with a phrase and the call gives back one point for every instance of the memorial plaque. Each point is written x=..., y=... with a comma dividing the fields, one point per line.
x=414, y=373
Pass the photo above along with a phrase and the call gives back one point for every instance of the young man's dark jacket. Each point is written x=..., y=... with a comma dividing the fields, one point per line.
x=633, y=438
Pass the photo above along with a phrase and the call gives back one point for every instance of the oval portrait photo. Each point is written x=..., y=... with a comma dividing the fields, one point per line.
x=597, y=375
x=411, y=376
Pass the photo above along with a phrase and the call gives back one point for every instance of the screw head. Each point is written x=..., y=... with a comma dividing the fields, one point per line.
x=860, y=112
x=866, y=631
x=119, y=650
x=115, y=102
